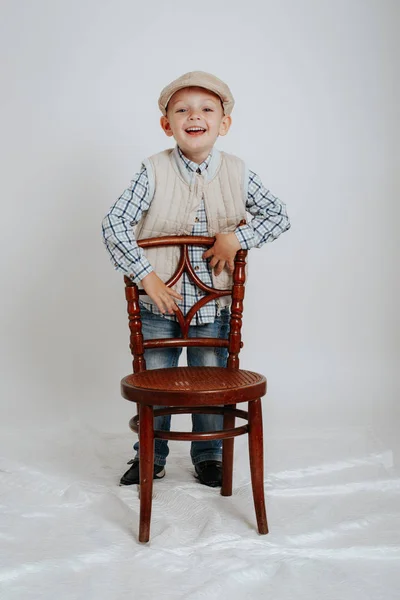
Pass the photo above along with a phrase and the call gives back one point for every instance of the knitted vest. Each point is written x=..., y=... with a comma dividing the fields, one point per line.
x=176, y=193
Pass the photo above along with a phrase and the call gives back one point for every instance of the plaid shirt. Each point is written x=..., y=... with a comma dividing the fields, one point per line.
x=269, y=221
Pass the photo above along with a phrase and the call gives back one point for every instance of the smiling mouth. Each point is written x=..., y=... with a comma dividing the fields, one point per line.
x=195, y=131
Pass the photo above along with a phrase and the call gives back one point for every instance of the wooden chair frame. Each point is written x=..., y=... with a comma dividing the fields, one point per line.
x=146, y=412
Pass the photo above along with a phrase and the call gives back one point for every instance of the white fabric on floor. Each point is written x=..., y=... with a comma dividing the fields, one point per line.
x=69, y=531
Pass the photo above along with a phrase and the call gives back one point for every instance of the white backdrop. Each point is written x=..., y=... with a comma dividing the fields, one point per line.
x=316, y=85
x=316, y=116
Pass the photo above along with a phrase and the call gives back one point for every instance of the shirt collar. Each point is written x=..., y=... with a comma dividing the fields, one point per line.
x=192, y=166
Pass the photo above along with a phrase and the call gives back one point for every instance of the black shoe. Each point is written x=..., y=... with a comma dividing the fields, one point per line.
x=132, y=474
x=209, y=472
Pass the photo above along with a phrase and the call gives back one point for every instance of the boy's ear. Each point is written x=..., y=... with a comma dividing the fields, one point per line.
x=225, y=125
x=166, y=126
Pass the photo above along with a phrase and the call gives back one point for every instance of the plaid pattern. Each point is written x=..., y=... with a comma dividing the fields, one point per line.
x=269, y=221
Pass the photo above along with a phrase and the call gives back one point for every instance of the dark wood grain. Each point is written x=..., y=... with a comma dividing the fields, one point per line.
x=146, y=457
x=235, y=338
x=256, y=453
x=193, y=386
x=188, y=390
x=227, y=453
x=135, y=326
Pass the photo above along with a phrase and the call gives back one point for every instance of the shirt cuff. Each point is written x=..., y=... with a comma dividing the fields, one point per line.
x=245, y=236
x=140, y=269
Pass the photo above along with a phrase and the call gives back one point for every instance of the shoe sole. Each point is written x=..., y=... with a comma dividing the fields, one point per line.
x=213, y=485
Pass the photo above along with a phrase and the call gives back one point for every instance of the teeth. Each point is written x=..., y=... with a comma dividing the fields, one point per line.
x=195, y=129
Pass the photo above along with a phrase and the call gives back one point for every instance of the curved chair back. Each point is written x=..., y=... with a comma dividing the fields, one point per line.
x=234, y=342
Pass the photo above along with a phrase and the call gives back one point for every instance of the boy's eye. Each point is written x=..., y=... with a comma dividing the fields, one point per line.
x=183, y=109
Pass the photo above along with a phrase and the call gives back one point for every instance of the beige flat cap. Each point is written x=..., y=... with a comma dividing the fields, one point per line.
x=198, y=79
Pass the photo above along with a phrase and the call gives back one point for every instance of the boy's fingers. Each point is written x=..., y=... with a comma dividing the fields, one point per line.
x=174, y=308
x=168, y=307
x=213, y=262
x=208, y=252
x=160, y=307
x=162, y=303
x=173, y=293
x=220, y=268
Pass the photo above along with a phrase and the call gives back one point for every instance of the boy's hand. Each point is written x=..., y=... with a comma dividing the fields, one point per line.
x=223, y=252
x=160, y=293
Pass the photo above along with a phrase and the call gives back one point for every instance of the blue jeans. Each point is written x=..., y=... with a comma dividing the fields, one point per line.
x=155, y=326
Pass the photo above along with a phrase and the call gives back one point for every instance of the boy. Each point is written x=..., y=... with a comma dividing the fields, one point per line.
x=191, y=189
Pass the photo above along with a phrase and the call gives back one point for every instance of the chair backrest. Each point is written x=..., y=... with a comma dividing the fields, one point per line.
x=132, y=293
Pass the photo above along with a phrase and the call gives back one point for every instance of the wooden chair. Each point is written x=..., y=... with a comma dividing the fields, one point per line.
x=195, y=389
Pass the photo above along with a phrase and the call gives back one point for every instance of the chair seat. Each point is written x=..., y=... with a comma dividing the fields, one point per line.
x=193, y=386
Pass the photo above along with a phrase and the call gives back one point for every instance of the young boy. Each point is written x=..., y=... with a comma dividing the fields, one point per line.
x=190, y=189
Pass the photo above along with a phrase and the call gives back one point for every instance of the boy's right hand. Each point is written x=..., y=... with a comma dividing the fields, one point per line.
x=160, y=293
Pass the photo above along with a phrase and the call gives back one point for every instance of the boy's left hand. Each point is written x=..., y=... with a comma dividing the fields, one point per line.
x=223, y=252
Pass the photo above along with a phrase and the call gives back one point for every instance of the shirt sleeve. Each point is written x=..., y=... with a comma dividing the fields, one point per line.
x=117, y=226
x=270, y=216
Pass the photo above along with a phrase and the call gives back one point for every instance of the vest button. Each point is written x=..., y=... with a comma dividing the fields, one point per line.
x=197, y=219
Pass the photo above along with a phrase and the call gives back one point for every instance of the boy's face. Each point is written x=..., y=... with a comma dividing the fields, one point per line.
x=200, y=108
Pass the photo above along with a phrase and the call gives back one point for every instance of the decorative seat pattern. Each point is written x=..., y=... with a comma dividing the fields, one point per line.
x=198, y=385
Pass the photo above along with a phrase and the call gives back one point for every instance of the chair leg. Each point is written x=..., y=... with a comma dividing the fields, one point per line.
x=257, y=463
x=227, y=455
x=146, y=458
